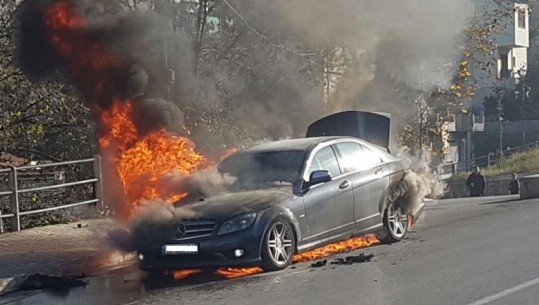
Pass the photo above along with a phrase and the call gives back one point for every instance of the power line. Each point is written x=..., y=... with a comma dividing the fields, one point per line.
x=266, y=38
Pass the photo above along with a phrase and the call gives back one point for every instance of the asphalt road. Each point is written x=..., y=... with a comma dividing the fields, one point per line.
x=466, y=251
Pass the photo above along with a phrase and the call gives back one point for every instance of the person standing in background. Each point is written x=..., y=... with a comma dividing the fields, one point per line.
x=514, y=185
x=476, y=183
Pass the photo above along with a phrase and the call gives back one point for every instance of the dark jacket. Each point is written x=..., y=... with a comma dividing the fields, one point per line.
x=477, y=184
x=514, y=187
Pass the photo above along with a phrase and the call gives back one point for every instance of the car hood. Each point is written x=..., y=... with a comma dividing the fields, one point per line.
x=228, y=205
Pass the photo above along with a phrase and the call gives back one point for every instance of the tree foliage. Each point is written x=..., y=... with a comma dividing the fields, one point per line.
x=477, y=58
x=235, y=62
x=37, y=120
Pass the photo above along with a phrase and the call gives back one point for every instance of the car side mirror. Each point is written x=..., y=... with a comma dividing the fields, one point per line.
x=319, y=176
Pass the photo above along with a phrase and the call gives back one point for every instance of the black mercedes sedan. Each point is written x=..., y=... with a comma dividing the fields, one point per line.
x=290, y=196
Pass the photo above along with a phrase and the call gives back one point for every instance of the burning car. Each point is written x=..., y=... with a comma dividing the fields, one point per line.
x=291, y=196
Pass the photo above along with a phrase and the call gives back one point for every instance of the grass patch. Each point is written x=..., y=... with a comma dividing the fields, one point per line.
x=523, y=162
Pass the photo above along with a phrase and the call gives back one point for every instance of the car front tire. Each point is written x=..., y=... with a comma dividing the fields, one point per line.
x=278, y=246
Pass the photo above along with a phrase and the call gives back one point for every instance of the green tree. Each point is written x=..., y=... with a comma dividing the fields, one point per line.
x=37, y=120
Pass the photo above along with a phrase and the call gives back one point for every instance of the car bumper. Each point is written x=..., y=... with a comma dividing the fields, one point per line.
x=213, y=252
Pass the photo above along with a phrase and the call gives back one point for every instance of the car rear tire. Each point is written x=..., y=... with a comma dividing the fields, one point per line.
x=278, y=246
x=395, y=224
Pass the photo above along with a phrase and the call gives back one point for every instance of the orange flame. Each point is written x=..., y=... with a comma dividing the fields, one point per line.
x=181, y=274
x=232, y=273
x=143, y=160
x=86, y=57
x=338, y=247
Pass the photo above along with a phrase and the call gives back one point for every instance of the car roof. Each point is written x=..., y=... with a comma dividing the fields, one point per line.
x=291, y=144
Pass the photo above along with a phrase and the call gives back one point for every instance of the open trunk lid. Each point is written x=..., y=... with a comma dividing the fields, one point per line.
x=369, y=126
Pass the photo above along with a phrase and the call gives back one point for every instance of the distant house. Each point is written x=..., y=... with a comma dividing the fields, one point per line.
x=501, y=70
x=510, y=61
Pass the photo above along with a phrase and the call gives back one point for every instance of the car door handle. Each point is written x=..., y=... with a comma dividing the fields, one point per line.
x=344, y=184
x=378, y=170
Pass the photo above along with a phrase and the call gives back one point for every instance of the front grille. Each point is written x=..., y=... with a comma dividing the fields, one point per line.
x=189, y=229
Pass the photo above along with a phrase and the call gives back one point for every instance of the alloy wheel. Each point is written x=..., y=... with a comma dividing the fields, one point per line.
x=280, y=244
x=397, y=221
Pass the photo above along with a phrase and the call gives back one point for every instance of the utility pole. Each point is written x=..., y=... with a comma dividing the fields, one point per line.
x=522, y=114
x=422, y=110
x=421, y=123
x=500, y=110
x=525, y=92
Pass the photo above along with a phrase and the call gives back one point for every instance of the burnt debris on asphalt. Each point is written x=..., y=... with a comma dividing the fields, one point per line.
x=41, y=281
x=349, y=260
x=319, y=264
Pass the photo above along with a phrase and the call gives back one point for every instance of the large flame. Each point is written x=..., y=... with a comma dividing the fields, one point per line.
x=140, y=160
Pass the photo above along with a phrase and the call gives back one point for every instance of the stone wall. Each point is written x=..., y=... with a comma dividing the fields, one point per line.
x=497, y=185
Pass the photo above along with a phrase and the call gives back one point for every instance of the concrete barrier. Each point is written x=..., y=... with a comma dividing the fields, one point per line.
x=496, y=186
x=529, y=187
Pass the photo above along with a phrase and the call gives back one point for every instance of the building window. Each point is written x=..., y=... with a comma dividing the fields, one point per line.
x=522, y=18
x=504, y=69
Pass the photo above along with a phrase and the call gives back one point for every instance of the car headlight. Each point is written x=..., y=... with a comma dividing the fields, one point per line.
x=237, y=223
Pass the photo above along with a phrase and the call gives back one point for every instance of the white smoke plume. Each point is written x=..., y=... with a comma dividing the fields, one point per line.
x=419, y=182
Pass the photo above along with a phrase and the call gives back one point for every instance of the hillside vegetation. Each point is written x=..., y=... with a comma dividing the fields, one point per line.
x=524, y=162
x=521, y=163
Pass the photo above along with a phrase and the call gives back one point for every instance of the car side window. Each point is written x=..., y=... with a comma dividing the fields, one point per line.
x=354, y=156
x=370, y=157
x=351, y=156
x=325, y=159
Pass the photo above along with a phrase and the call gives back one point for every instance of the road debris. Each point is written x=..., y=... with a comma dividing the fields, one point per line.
x=349, y=260
x=41, y=281
x=319, y=264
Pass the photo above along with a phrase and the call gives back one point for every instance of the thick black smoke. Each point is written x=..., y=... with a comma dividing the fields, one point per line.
x=35, y=56
x=144, y=45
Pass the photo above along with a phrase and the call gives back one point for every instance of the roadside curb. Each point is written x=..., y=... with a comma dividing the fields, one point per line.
x=83, y=266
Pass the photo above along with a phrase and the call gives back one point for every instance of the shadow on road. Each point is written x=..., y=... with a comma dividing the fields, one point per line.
x=512, y=199
x=154, y=281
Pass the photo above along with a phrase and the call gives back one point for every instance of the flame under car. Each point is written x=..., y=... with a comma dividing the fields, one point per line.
x=290, y=196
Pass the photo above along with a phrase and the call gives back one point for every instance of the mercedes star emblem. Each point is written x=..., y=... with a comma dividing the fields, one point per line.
x=181, y=230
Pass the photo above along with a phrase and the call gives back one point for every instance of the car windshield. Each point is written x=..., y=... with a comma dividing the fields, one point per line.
x=264, y=167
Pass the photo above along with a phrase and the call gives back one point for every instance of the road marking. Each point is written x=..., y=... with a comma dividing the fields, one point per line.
x=506, y=292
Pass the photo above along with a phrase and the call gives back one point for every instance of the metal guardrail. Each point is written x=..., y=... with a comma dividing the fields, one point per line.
x=15, y=190
x=492, y=159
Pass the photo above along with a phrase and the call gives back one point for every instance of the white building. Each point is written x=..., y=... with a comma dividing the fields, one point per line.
x=510, y=59
x=502, y=69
